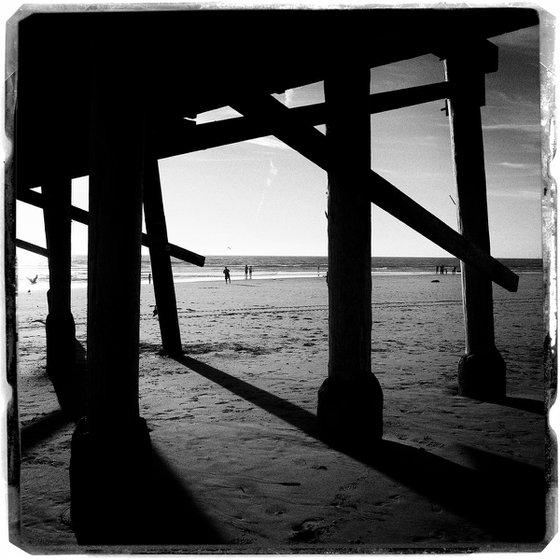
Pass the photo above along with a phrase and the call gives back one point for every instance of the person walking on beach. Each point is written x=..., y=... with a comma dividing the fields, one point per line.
x=226, y=274
x=250, y=273
x=149, y=278
x=246, y=272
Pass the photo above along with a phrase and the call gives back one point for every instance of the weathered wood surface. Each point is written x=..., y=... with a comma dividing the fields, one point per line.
x=350, y=400
x=313, y=145
x=349, y=223
x=482, y=370
x=468, y=157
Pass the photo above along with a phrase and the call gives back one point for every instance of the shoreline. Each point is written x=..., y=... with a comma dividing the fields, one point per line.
x=82, y=284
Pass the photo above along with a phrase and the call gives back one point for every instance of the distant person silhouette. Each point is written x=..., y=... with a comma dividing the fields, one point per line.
x=250, y=272
x=149, y=278
x=155, y=313
x=246, y=272
x=227, y=275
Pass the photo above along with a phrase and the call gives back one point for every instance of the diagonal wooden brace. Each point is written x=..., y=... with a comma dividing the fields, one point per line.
x=31, y=247
x=180, y=137
x=82, y=216
x=313, y=145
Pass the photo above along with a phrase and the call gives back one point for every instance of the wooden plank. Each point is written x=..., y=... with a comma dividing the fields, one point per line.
x=179, y=252
x=31, y=247
x=164, y=288
x=313, y=145
x=82, y=216
x=181, y=137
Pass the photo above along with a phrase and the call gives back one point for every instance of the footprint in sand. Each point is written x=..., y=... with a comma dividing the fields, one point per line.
x=309, y=531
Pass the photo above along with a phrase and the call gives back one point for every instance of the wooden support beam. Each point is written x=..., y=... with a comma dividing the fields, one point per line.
x=115, y=203
x=312, y=144
x=82, y=216
x=182, y=137
x=60, y=326
x=32, y=248
x=482, y=371
x=111, y=451
x=350, y=404
x=164, y=289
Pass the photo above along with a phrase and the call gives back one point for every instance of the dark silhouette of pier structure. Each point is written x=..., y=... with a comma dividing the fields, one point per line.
x=107, y=94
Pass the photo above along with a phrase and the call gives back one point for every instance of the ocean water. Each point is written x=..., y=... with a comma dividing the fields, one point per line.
x=264, y=267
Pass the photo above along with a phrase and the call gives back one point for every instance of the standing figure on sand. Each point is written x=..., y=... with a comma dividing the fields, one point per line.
x=227, y=275
x=246, y=272
x=250, y=273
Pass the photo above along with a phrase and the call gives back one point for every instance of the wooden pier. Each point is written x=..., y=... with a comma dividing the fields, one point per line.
x=106, y=94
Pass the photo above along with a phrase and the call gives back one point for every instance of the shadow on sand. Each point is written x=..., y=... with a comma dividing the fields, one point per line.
x=504, y=497
x=160, y=511
x=521, y=403
x=35, y=432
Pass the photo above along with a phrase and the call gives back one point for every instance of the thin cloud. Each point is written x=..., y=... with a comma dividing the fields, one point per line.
x=535, y=128
x=273, y=171
x=527, y=166
x=521, y=194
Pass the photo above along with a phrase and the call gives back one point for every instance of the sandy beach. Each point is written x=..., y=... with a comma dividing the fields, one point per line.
x=234, y=421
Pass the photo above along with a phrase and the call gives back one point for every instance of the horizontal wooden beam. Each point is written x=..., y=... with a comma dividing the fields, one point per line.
x=82, y=216
x=182, y=137
x=313, y=145
x=32, y=248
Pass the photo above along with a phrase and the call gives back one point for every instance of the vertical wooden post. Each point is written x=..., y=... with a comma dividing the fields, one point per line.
x=160, y=260
x=482, y=371
x=350, y=400
x=110, y=458
x=60, y=327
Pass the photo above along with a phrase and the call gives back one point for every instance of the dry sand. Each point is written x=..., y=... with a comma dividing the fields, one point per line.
x=234, y=422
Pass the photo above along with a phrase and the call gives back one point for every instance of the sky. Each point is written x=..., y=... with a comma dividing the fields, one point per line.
x=261, y=198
